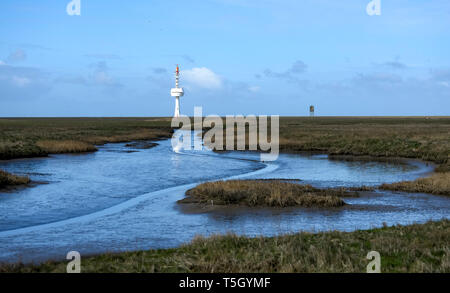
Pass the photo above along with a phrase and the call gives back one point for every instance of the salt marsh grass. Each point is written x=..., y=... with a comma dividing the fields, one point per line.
x=270, y=193
x=418, y=248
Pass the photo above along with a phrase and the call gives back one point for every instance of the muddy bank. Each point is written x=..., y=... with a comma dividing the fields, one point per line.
x=141, y=145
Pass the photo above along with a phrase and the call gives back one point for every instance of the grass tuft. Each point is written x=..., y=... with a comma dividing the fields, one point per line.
x=7, y=179
x=65, y=146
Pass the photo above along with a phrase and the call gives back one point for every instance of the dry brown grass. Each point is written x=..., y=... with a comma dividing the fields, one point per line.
x=437, y=183
x=7, y=179
x=421, y=138
x=271, y=193
x=136, y=135
x=419, y=248
x=65, y=146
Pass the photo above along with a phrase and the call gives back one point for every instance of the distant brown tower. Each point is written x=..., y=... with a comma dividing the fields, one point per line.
x=311, y=111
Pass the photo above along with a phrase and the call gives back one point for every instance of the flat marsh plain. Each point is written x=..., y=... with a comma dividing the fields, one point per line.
x=426, y=138
x=414, y=248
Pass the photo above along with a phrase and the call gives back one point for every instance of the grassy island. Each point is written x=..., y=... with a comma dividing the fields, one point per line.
x=269, y=193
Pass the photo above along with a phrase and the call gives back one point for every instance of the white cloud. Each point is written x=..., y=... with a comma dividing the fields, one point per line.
x=20, y=81
x=254, y=89
x=202, y=77
x=19, y=77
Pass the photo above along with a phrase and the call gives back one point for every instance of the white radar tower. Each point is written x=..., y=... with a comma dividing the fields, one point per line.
x=177, y=92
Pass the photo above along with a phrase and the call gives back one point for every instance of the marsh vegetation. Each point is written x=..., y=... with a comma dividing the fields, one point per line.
x=7, y=179
x=414, y=248
x=426, y=138
x=388, y=138
x=35, y=137
x=437, y=183
x=270, y=193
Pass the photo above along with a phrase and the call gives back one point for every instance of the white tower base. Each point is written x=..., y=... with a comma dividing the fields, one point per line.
x=177, y=107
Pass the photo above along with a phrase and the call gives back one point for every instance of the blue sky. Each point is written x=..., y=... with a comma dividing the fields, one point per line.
x=237, y=57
